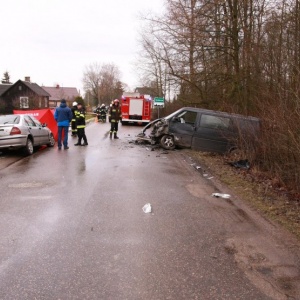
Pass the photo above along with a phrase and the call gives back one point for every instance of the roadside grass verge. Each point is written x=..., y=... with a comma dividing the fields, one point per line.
x=261, y=192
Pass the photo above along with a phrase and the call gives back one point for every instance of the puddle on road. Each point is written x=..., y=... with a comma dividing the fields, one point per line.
x=26, y=185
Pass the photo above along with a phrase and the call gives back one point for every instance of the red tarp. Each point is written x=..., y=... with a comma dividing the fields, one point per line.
x=44, y=116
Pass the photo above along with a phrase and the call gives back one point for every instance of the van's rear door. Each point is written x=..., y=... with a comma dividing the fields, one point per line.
x=213, y=133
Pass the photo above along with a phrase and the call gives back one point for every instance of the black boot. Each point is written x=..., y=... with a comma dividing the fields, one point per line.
x=110, y=135
x=115, y=136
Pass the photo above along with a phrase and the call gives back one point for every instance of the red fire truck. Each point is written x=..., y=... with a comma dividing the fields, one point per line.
x=136, y=108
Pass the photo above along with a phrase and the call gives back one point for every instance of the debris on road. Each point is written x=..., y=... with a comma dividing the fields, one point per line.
x=218, y=195
x=147, y=208
x=241, y=164
x=196, y=167
x=204, y=172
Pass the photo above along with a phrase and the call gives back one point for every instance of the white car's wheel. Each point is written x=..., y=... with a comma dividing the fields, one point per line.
x=28, y=150
x=51, y=141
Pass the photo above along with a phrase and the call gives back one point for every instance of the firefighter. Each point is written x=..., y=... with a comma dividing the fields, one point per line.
x=73, y=122
x=114, y=116
x=97, y=111
x=80, y=123
x=103, y=113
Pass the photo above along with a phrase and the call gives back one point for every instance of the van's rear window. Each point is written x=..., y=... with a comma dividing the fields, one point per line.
x=214, y=122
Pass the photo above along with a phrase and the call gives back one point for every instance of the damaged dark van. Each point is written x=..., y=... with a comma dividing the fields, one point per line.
x=202, y=129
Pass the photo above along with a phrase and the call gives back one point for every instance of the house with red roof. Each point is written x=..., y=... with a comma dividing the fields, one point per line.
x=57, y=93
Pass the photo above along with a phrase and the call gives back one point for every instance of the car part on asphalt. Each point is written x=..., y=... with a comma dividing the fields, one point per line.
x=147, y=208
x=218, y=195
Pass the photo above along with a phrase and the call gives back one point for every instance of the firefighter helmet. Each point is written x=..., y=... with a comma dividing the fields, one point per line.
x=75, y=103
x=116, y=101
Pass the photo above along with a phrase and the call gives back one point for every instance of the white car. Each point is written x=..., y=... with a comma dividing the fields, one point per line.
x=24, y=131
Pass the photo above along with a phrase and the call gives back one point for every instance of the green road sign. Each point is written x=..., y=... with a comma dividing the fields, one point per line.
x=158, y=101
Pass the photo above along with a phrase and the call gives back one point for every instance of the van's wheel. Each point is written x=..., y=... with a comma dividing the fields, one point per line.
x=28, y=150
x=167, y=142
x=51, y=141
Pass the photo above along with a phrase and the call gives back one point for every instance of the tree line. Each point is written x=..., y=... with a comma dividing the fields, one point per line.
x=240, y=56
x=102, y=83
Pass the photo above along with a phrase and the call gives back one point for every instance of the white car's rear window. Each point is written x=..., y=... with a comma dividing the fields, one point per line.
x=9, y=119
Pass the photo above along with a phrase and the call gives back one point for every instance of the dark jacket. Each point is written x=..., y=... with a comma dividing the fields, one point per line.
x=115, y=114
x=74, y=109
x=63, y=115
x=102, y=111
x=80, y=118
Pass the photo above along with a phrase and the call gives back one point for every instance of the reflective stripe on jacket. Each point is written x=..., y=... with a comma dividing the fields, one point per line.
x=80, y=118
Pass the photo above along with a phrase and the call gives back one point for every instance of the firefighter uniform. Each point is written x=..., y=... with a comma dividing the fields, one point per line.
x=97, y=111
x=73, y=122
x=103, y=113
x=80, y=124
x=114, y=116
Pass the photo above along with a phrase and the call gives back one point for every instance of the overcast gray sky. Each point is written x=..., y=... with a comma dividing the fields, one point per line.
x=52, y=41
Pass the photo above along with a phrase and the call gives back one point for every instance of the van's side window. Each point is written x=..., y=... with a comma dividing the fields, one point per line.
x=215, y=122
x=187, y=117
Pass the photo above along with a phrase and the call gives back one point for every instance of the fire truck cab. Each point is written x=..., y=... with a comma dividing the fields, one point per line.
x=136, y=108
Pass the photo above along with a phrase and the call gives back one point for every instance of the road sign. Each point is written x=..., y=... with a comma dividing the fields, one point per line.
x=158, y=101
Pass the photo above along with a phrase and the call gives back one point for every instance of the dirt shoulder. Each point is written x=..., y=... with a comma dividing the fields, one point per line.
x=260, y=192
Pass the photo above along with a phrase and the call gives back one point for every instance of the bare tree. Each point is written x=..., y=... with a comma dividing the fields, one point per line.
x=91, y=82
x=208, y=48
x=102, y=83
x=172, y=49
x=153, y=68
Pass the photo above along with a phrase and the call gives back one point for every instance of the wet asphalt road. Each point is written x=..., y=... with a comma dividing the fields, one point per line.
x=72, y=227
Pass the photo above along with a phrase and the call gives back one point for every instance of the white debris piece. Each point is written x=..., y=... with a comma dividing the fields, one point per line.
x=218, y=195
x=147, y=208
x=195, y=166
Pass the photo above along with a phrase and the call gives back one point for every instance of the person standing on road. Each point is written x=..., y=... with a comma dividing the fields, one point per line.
x=114, y=117
x=103, y=113
x=97, y=111
x=63, y=117
x=80, y=124
x=73, y=123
